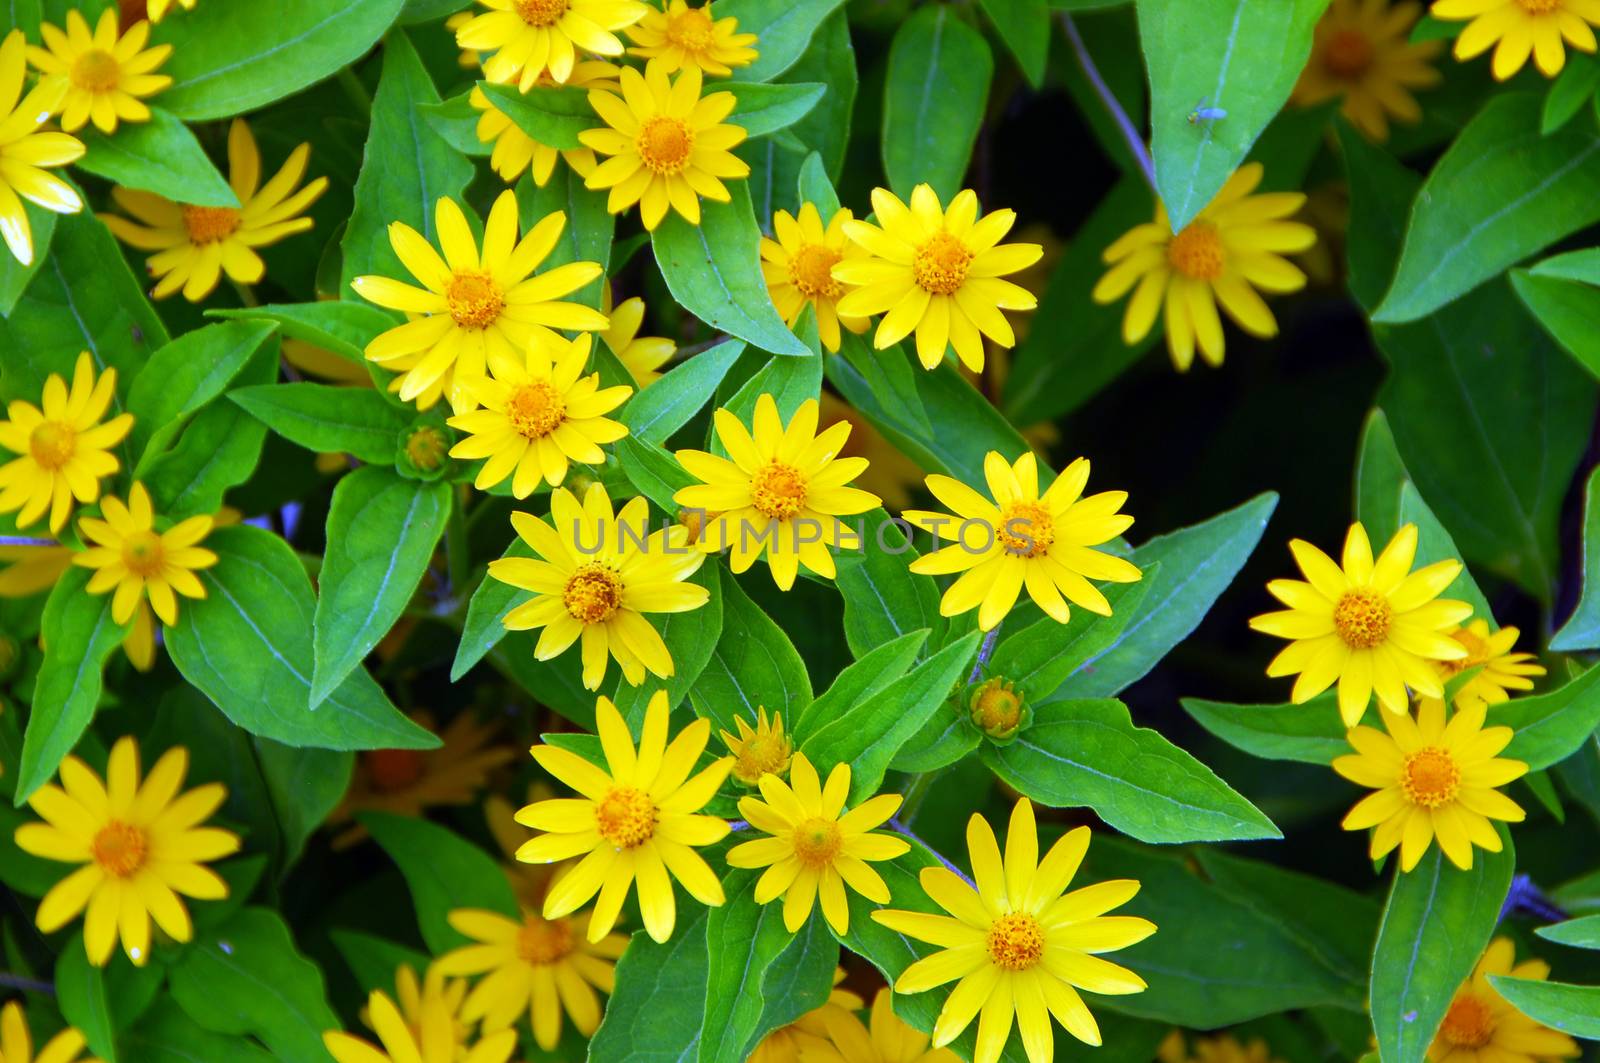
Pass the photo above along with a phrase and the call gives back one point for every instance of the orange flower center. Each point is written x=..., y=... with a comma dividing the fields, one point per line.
x=95, y=71
x=940, y=265
x=1197, y=251
x=816, y=842
x=626, y=818
x=536, y=409
x=664, y=144
x=1477, y=653
x=1430, y=777
x=543, y=941
x=1026, y=529
x=392, y=769
x=592, y=594
x=142, y=553
x=51, y=444
x=426, y=448
x=766, y=753
x=1540, y=7
x=207, y=225
x=1016, y=941
x=1469, y=1023
x=811, y=271
x=474, y=299
x=1348, y=54
x=691, y=30
x=120, y=849
x=540, y=12
x=1361, y=617
x=778, y=490
x=996, y=708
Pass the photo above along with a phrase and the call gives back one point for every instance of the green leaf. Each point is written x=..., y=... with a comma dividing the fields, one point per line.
x=691, y=638
x=783, y=29
x=869, y=734
x=185, y=375
x=1087, y=752
x=946, y=737
x=859, y=681
x=304, y=786
x=1435, y=544
x=1566, y=309
x=247, y=977
x=385, y=192
x=1572, y=1009
x=102, y=1001
x=883, y=599
x=247, y=646
x=1039, y=658
x=417, y=11
x=79, y=635
x=218, y=449
x=933, y=101
x=231, y=58
x=652, y=471
x=658, y=1008
x=587, y=235
x=790, y=382
x=382, y=530
x=376, y=961
x=1380, y=475
x=340, y=328
x=486, y=611
x=765, y=109
x=1582, y=629
x=1581, y=265
x=892, y=379
x=1381, y=192
x=159, y=156
x=1242, y=56
x=1502, y=192
x=1312, y=733
x=754, y=664
x=166, y=1034
x=551, y=115
x=14, y=276
x=1551, y=727
x=711, y=271
x=1582, y=933
x=1574, y=87
x=328, y=419
x=830, y=59
x=1435, y=926
x=444, y=872
x=456, y=120
x=816, y=189
x=666, y=405
x=1025, y=27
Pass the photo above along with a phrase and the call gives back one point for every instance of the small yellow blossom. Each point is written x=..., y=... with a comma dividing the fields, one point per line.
x=105, y=74
x=526, y=39
x=886, y=1040
x=1482, y=1026
x=683, y=36
x=1502, y=670
x=140, y=562
x=1516, y=29
x=515, y=152
x=641, y=356
x=798, y=266
x=26, y=152
x=758, y=751
x=425, y=1026
x=1362, y=51
x=16, y=1043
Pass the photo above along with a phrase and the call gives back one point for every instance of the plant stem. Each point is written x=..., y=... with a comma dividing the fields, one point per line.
x=915, y=792
x=985, y=651
x=26, y=540
x=356, y=91
x=1130, y=132
x=27, y=985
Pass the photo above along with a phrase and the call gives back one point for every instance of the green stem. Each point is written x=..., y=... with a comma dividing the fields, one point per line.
x=455, y=544
x=916, y=792
x=356, y=91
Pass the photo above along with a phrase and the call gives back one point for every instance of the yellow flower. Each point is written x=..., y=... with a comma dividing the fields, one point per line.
x=778, y=493
x=1516, y=28
x=105, y=74
x=1024, y=539
x=816, y=848
x=641, y=356
x=531, y=37
x=1018, y=944
x=668, y=145
x=798, y=267
x=64, y=451
x=936, y=272
x=515, y=151
x=325, y=365
x=1373, y=626
x=25, y=154
x=1503, y=671
x=1433, y=781
x=889, y=1040
x=195, y=245
x=889, y=474
x=425, y=1027
x=534, y=965
x=158, y=8
x=473, y=313
x=1228, y=251
x=31, y=569
x=407, y=782
x=140, y=847
x=141, y=562
x=635, y=821
x=808, y=1033
x=1482, y=1026
x=595, y=576
x=16, y=1044
x=538, y=415
x=467, y=58
x=684, y=36
x=1223, y=1048
x=758, y=751
x=1363, y=52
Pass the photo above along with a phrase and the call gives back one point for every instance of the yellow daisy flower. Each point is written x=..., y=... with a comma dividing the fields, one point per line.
x=1503, y=671
x=1023, y=539
x=937, y=272
x=641, y=356
x=63, y=449
x=466, y=58
x=634, y=822
x=1518, y=28
x=1433, y=780
x=1223, y=1048
x=595, y=576
x=798, y=268
x=474, y=313
x=761, y=750
x=25, y=153
x=529, y=38
x=684, y=36
x=16, y=1043
x=1373, y=626
x=515, y=152
x=140, y=562
x=195, y=245
x=538, y=415
x=427, y=1031
x=778, y=493
x=668, y=145
x=1230, y=249
x=808, y=1033
x=1018, y=943
x=105, y=73
x=157, y=9
x=1362, y=51
x=888, y=1040
x=1482, y=1026
x=540, y=966
x=31, y=569
x=140, y=847
x=815, y=847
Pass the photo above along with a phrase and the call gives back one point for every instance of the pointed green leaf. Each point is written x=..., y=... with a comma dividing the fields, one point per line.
x=934, y=99
x=160, y=156
x=444, y=872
